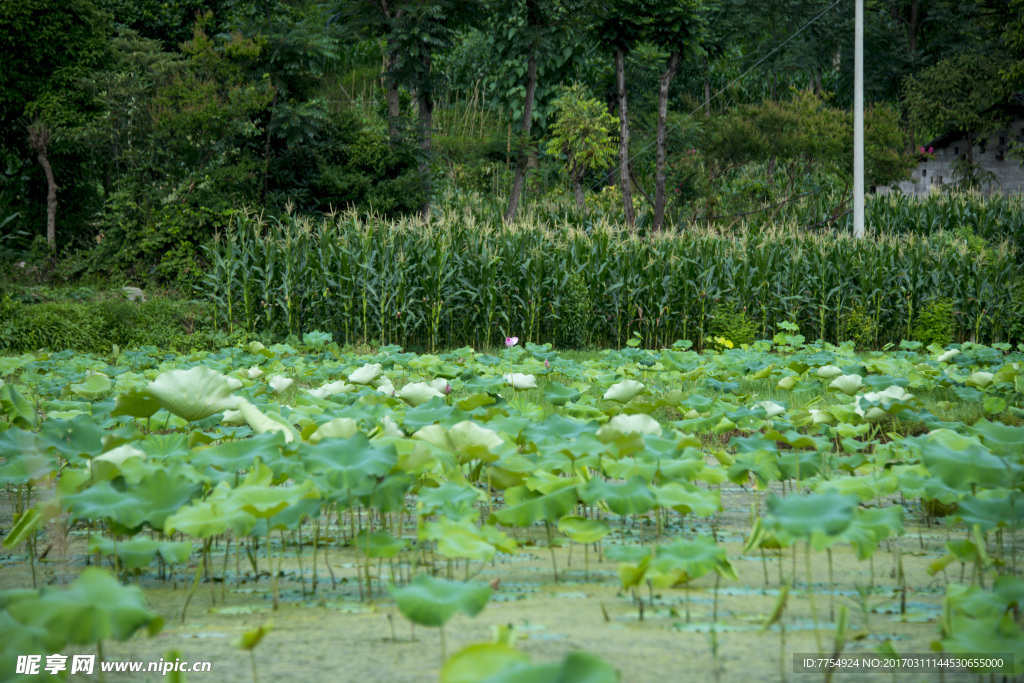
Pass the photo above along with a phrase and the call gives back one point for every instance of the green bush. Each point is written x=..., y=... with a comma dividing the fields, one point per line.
x=934, y=325
x=576, y=314
x=1015, y=325
x=732, y=323
x=859, y=327
x=96, y=326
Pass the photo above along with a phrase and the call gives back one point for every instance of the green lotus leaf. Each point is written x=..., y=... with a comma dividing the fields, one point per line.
x=558, y=394
x=632, y=498
x=418, y=393
x=1006, y=594
x=161, y=494
x=979, y=379
x=584, y=412
x=25, y=525
x=486, y=385
x=339, y=428
x=628, y=424
x=763, y=464
x=138, y=553
x=1000, y=438
x=17, y=408
x=992, y=509
x=484, y=662
x=333, y=389
x=533, y=507
x=366, y=374
x=819, y=517
x=450, y=500
x=194, y=394
x=772, y=409
x=136, y=403
x=960, y=461
x=91, y=609
x=204, y=519
x=624, y=391
x=871, y=526
x=317, y=339
x=432, y=602
x=686, y=498
x=349, y=463
x=263, y=502
x=95, y=386
x=520, y=381
x=788, y=382
x=828, y=372
x=388, y=495
x=474, y=442
x=583, y=530
x=266, y=423
x=459, y=539
x=848, y=384
x=280, y=384
x=103, y=501
x=238, y=455
x=379, y=544
x=986, y=636
x=684, y=560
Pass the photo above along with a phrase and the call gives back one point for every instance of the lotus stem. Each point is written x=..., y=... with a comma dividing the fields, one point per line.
x=195, y=583
x=810, y=595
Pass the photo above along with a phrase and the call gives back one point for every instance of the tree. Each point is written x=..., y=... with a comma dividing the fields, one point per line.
x=38, y=138
x=679, y=29
x=536, y=29
x=582, y=133
x=46, y=47
x=619, y=25
x=960, y=93
x=426, y=27
x=377, y=19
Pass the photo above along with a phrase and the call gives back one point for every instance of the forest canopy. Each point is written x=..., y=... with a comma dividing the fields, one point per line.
x=131, y=133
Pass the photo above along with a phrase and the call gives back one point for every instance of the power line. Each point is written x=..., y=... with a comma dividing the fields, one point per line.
x=727, y=86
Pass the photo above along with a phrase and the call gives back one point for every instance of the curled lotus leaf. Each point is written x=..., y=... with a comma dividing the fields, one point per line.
x=194, y=394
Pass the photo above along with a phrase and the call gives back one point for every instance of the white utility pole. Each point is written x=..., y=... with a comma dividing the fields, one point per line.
x=858, y=121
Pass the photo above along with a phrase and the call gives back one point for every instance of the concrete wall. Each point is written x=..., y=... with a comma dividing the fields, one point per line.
x=936, y=173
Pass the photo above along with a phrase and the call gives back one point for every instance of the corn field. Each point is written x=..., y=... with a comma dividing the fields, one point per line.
x=455, y=280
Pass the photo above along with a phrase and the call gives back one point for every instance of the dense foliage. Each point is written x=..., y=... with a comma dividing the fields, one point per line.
x=455, y=281
x=428, y=464
x=138, y=139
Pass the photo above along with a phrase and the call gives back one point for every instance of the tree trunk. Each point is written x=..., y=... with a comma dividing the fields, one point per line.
x=707, y=99
x=266, y=149
x=659, y=175
x=39, y=136
x=527, y=124
x=627, y=189
x=394, y=106
x=426, y=106
x=577, y=183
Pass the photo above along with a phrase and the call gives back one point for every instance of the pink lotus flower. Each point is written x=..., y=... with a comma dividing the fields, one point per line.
x=447, y=389
x=511, y=341
x=547, y=364
x=920, y=151
x=931, y=150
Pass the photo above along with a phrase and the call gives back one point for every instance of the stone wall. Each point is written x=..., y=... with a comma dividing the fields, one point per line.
x=937, y=172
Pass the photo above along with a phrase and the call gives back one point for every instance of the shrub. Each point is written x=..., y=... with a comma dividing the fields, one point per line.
x=859, y=327
x=576, y=314
x=1015, y=325
x=732, y=323
x=934, y=325
x=97, y=325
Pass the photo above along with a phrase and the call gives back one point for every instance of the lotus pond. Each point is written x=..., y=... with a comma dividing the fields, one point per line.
x=527, y=514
